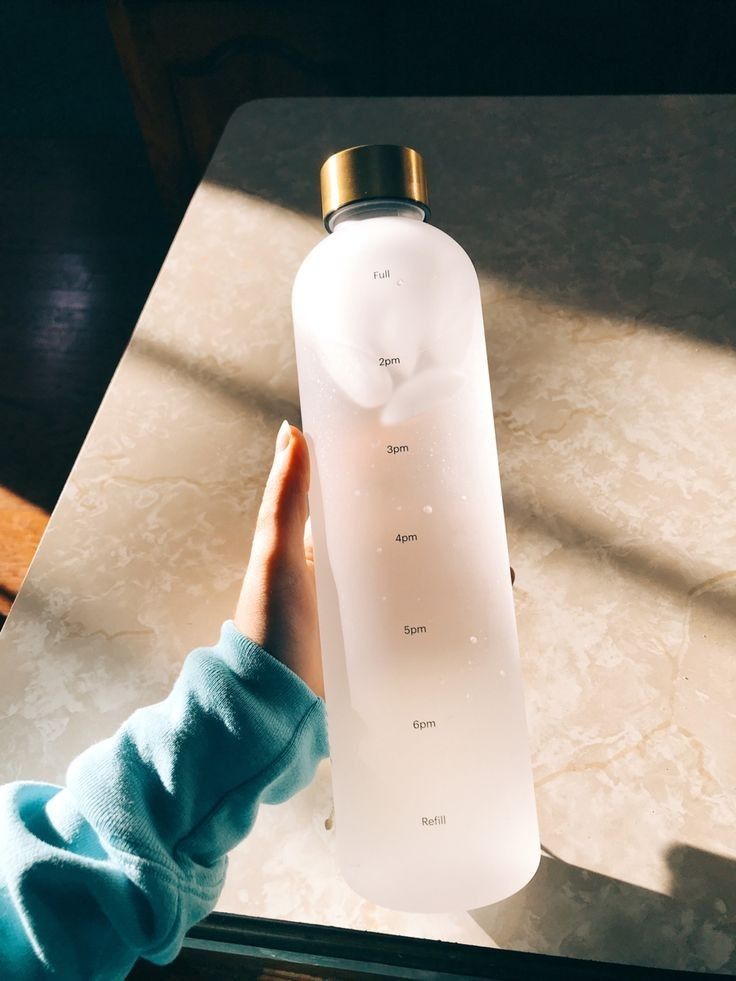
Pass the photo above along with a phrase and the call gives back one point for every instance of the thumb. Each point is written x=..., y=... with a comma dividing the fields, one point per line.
x=284, y=506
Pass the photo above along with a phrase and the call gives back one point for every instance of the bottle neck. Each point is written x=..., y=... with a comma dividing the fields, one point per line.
x=375, y=208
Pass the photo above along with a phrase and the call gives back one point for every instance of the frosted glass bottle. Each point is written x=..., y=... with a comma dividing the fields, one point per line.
x=433, y=791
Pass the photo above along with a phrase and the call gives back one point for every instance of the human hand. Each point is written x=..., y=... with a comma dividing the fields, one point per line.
x=277, y=607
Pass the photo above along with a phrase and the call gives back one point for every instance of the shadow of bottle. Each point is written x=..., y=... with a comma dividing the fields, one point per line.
x=574, y=912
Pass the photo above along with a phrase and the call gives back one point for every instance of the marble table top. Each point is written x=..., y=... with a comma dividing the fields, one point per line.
x=602, y=230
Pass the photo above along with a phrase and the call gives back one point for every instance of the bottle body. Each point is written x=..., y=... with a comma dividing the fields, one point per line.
x=434, y=800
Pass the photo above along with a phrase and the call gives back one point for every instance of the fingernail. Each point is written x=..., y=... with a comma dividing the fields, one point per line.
x=284, y=437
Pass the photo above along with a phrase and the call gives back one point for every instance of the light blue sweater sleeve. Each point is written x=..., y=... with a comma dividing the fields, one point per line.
x=120, y=862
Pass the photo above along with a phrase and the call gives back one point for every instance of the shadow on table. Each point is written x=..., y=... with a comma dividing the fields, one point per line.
x=570, y=911
x=643, y=559
x=610, y=204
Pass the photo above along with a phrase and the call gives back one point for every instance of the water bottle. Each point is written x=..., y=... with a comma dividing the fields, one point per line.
x=433, y=791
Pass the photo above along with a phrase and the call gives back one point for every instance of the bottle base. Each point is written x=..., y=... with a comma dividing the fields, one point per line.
x=444, y=895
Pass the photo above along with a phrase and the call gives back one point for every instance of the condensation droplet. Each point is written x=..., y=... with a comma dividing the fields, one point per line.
x=357, y=493
x=463, y=497
x=473, y=640
x=379, y=549
x=383, y=597
x=399, y=282
x=398, y=507
x=502, y=673
x=427, y=509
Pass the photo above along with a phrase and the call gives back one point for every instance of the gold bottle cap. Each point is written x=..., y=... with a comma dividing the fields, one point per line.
x=373, y=170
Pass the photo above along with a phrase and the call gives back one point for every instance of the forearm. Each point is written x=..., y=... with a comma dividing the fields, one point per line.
x=125, y=858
